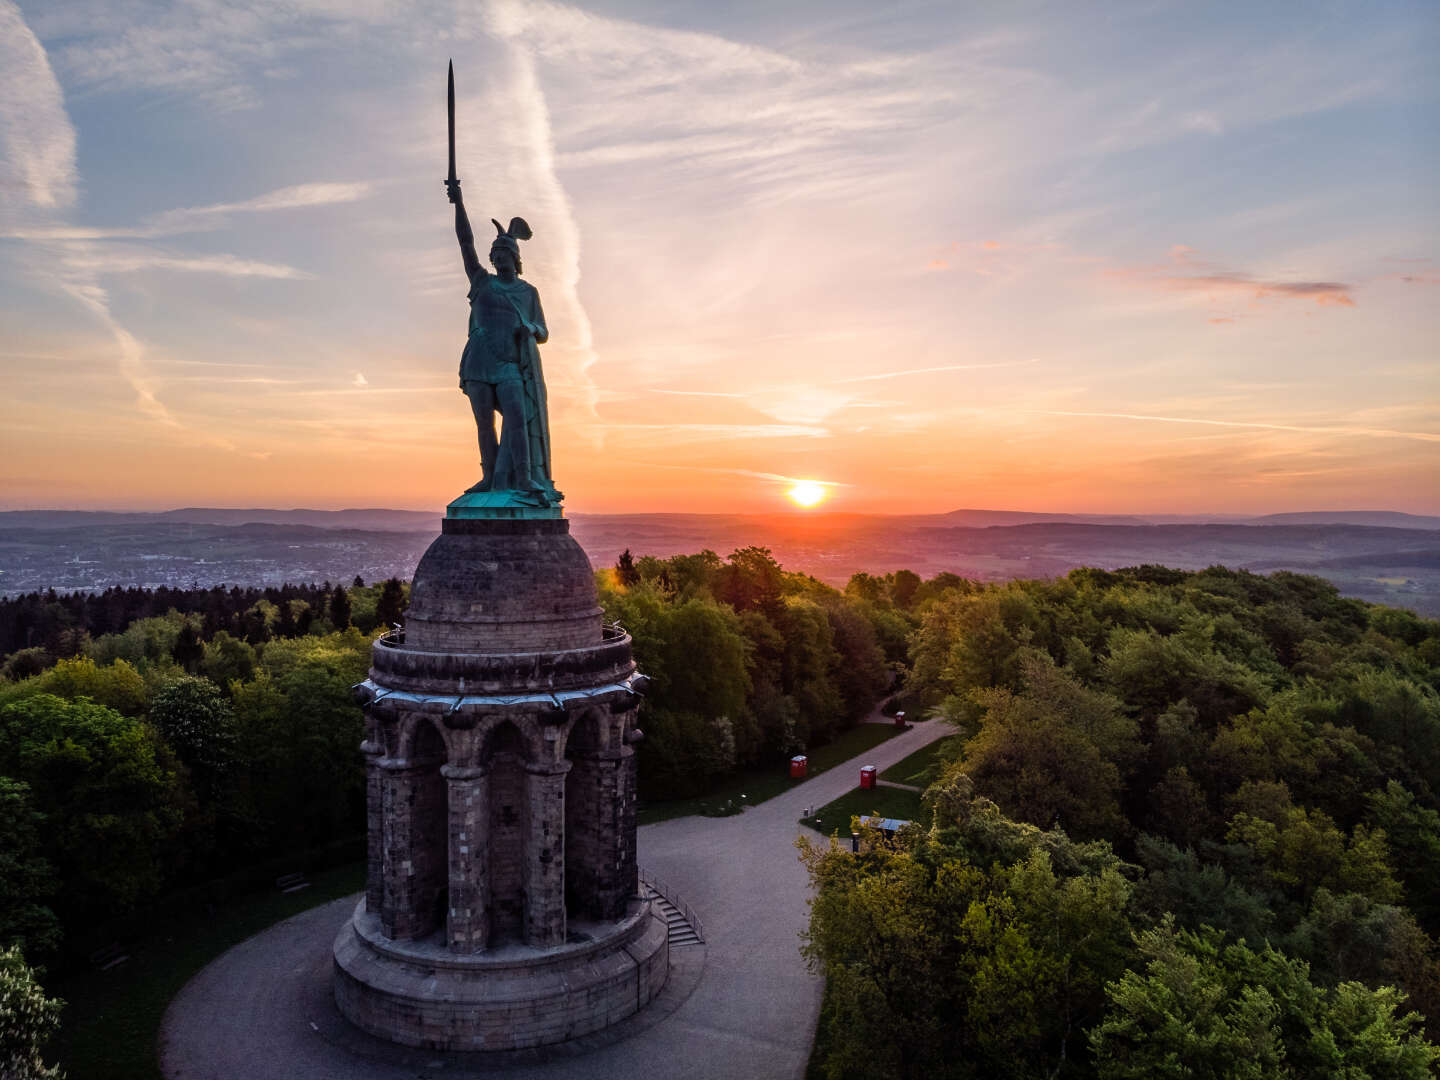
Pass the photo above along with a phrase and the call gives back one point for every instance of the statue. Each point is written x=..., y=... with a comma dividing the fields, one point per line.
x=500, y=365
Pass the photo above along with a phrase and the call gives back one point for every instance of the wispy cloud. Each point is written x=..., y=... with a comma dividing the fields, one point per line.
x=774, y=478
x=37, y=140
x=930, y=370
x=1234, y=284
x=202, y=218
x=692, y=432
x=526, y=143
x=111, y=260
x=1324, y=429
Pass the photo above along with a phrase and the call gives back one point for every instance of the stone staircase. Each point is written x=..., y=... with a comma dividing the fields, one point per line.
x=681, y=932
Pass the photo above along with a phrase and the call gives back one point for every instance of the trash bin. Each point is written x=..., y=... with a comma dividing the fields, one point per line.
x=900, y=719
x=798, y=764
x=867, y=776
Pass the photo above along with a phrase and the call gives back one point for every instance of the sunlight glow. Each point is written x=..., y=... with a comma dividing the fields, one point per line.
x=807, y=492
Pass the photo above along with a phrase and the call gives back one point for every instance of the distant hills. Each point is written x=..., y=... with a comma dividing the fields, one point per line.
x=1379, y=555
x=1392, y=519
x=419, y=520
x=385, y=520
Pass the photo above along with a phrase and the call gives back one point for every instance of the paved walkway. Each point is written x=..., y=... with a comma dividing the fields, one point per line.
x=263, y=1009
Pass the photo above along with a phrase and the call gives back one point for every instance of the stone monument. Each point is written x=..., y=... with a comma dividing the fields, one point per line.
x=502, y=907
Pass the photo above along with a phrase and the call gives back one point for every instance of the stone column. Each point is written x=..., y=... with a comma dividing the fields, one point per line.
x=374, y=815
x=627, y=859
x=467, y=924
x=545, y=855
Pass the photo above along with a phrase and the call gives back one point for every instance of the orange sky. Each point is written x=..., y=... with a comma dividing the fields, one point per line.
x=939, y=260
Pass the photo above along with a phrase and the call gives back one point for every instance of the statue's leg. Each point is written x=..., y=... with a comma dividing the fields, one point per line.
x=482, y=404
x=514, y=435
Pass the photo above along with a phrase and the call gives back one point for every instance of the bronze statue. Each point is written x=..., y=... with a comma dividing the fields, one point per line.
x=500, y=365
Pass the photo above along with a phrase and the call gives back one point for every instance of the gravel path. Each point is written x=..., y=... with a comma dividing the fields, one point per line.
x=263, y=1009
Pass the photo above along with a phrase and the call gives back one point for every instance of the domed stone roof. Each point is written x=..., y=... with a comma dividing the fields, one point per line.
x=487, y=586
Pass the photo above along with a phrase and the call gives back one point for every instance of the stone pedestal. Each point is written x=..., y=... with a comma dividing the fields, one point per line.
x=501, y=906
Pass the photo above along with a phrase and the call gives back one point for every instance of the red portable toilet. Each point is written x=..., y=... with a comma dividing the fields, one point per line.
x=798, y=765
x=900, y=718
x=867, y=776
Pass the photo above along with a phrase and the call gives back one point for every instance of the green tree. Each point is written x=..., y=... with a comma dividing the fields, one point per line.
x=390, y=607
x=27, y=1021
x=1413, y=831
x=27, y=880
x=116, y=685
x=110, y=803
x=24, y=663
x=979, y=949
x=198, y=722
x=227, y=659
x=188, y=650
x=1203, y=1009
x=625, y=571
x=339, y=608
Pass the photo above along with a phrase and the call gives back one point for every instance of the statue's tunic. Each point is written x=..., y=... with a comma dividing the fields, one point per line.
x=493, y=355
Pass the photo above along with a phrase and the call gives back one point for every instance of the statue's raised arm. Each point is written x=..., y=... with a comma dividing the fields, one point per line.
x=464, y=233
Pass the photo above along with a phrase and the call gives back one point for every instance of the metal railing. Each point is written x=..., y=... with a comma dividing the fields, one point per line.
x=674, y=898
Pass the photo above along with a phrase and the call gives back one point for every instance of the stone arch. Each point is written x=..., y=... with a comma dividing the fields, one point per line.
x=506, y=735
x=416, y=738
x=588, y=734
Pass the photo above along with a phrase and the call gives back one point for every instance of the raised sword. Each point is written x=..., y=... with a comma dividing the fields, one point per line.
x=451, y=181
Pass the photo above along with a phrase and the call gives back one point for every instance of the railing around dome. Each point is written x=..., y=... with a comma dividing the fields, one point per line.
x=394, y=639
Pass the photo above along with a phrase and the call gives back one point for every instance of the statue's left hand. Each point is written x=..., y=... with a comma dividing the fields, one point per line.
x=452, y=190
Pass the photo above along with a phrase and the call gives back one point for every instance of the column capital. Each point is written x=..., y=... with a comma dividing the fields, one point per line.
x=464, y=772
x=548, y=768
x=401, y=764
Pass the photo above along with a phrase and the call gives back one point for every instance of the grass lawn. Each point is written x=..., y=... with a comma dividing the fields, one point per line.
x=754, y=786
x=917, y=768
x=112, y=1018
x=880, y=801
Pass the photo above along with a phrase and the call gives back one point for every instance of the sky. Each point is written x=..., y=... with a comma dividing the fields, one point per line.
x=1147, y=257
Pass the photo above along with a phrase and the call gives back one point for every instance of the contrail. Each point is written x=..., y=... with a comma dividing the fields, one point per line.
x=537, y=137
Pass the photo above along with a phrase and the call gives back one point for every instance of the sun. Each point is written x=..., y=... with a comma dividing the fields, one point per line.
x=807, y=492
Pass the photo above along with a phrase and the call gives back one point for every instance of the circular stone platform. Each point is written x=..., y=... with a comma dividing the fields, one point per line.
x=421, y=994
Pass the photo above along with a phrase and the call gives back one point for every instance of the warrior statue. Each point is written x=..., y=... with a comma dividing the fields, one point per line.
x=500, y=365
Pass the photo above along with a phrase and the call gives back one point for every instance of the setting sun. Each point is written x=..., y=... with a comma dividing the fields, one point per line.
x=807, y=492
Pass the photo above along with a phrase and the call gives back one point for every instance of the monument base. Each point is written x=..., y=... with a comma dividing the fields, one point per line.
x=418, y=993
x=505, y=505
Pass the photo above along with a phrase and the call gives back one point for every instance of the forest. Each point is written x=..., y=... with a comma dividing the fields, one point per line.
x=1190, y=817
x=161, y=751
x=1189, y=829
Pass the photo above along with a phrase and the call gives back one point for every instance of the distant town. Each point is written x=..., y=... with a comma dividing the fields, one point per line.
x=1382, y=557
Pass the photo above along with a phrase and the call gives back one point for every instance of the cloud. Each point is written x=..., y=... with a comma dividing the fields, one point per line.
x=709, y=432
x=1368, y=432
x=774, y=478
x=110, y=260
x=928, y=370
x=1231, y=284
x=359, y=379
x=286, y=198
x=37, y=140
x=525, y=144
x=202, y=218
